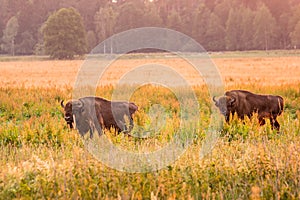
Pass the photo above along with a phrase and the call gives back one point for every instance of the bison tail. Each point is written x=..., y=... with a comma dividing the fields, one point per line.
x=280, y=104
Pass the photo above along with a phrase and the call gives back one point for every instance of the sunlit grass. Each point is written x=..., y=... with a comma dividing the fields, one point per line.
x=41, y=158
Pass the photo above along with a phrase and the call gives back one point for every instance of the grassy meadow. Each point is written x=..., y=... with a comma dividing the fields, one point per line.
x=41, y=158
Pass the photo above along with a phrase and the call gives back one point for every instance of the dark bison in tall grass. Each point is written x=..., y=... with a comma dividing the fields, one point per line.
x=90, y=113
x=245, y=103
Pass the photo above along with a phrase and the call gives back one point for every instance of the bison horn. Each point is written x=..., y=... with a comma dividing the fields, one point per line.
x=214, y=99
x=62, y=103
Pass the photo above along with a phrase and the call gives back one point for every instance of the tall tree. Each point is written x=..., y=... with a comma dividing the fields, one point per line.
x=174, y=21
x=294, y=18
x=247, y=28
x=26, y=47
x=233, y=29
x=277, y=7
x=163, y=8
x=151, y=16
x=262, y=24
x=9, y=34
x=2, y=26
x=29, y=19
x=215, y=34
x=239, y=29
x=105, y=22
x=91, y=40
x=283, y=32
x=223, y=8
x=200, y=24
x=39, y=48
x=130, y=15
x=3, y=15
x=88, y=12
x=187, y=14
x=295, y=36
x=64, y=34
x=265, y=28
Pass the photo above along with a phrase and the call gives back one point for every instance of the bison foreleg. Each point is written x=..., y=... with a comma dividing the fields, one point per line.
x=127, y=124
x=98, y=128
x=122, y=125
x=261, y=121
x=274, y=124
x=70, y=125
x=92, y=129
x=99, y=123
x=227, y=118
x=131, y=124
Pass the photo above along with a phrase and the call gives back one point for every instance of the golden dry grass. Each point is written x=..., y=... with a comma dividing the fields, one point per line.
x=41, y=158
x=234, y=71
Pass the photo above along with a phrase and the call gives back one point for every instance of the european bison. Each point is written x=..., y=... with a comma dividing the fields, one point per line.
x=245, y=103
x=92, y=113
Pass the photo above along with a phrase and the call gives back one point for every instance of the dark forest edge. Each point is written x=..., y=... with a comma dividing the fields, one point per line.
x=160, y=55
x=218, y=25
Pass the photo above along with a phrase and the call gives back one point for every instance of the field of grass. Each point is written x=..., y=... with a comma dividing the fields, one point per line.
x=41, y=158
x=279, y=68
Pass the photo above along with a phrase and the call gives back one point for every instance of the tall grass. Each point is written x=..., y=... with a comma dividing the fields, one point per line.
x=42, y=159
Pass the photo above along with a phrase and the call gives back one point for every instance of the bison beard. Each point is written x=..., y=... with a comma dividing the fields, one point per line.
x=245, y=103
x=90, y=113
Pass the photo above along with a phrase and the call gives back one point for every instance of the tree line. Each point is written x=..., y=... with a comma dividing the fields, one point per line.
x=218, y=25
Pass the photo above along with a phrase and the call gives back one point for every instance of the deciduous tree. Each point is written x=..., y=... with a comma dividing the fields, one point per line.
x=64, y=34
x=265, y=28
x=105, y=21
x=215, y=34
x=295, y=36
x=234, y=30
x=9, y=34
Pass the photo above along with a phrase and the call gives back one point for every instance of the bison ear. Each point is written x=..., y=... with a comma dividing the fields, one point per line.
x=77, y=105
x=231, y=100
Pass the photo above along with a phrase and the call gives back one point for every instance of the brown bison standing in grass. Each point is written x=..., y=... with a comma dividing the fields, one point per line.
x=90, y=113
x=245, y=103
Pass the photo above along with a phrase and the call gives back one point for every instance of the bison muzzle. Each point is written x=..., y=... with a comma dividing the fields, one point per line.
x=94, y=113
x=245, y=103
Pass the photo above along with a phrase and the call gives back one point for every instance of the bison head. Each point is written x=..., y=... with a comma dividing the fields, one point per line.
x=132, y=108
x=225, y=105
x=72, y=108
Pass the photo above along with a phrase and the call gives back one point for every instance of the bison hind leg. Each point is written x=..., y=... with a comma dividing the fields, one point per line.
x=261, y=121
x=275, y=124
